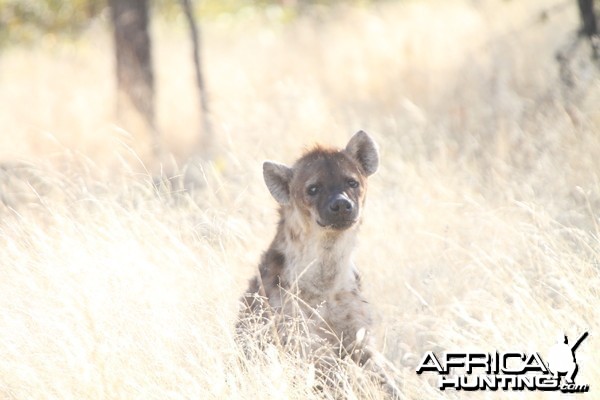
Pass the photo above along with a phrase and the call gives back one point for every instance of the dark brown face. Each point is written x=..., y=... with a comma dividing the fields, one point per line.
x=329, y=188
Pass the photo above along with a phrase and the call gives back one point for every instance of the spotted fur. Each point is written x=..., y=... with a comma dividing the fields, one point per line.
x=307, y=271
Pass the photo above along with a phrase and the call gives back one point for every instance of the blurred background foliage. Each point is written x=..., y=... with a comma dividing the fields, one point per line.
x=25, y=21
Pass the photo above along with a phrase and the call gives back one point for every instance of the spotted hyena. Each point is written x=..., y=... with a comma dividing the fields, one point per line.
x=307, y=273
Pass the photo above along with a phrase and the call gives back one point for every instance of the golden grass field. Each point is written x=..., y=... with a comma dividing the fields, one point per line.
x=481, y=230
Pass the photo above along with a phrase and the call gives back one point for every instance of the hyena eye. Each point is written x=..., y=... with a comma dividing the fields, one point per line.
x=312, y=190
x=352, y=183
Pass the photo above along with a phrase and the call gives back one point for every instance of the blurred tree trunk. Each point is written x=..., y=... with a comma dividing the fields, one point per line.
x=589, y=26
x=135, y=75
x=205, y=141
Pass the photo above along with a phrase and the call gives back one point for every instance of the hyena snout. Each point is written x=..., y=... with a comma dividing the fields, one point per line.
x=340, y=212
x=341, y=205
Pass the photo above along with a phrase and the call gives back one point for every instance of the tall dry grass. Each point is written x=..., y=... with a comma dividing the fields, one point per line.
x=480, y=233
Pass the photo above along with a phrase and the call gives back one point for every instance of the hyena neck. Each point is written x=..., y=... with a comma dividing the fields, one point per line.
x=318, y=262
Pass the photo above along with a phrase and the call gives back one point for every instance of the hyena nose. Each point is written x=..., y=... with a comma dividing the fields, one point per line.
x=340, y=204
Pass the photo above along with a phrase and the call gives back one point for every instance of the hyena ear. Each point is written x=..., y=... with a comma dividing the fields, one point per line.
x=363, y=149
x=277, y=177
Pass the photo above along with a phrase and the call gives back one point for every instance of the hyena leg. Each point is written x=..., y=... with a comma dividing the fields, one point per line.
x=363, y=352
x=353, y=330
x=374, y=361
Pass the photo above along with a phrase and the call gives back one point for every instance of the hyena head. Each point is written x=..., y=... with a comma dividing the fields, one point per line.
x=326, y=186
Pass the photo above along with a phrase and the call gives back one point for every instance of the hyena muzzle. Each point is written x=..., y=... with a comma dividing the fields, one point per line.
x=307, y=273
